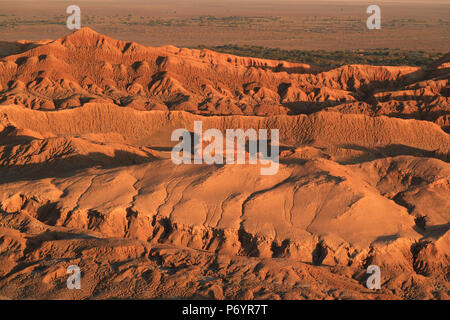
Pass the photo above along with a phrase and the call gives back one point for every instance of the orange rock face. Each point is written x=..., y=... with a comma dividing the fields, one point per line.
x=86, y=177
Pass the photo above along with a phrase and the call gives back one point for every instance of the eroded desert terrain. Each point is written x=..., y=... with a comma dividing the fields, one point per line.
x=86, y=177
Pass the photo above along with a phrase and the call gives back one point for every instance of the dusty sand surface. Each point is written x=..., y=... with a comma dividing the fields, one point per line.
x=86, y=177
x=289, y=24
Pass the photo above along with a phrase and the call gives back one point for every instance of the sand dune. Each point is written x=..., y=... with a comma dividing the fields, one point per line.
x=86, y=176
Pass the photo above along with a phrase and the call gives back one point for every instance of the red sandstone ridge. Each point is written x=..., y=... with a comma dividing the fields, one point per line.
x=86, y=177
x=88, y=67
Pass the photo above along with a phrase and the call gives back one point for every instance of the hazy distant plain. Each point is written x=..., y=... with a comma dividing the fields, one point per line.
x=287, y=24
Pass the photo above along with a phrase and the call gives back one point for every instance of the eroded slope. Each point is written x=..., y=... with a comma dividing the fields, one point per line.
x=86, y=176
x=88, y=67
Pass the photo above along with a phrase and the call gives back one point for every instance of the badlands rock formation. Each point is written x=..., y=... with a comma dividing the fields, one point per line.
x=86, y=177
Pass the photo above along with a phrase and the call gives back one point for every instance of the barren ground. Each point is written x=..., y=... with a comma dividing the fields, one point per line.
x=86, y=177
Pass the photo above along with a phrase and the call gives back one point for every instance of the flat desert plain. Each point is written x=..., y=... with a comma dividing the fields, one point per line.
x=286, y=24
